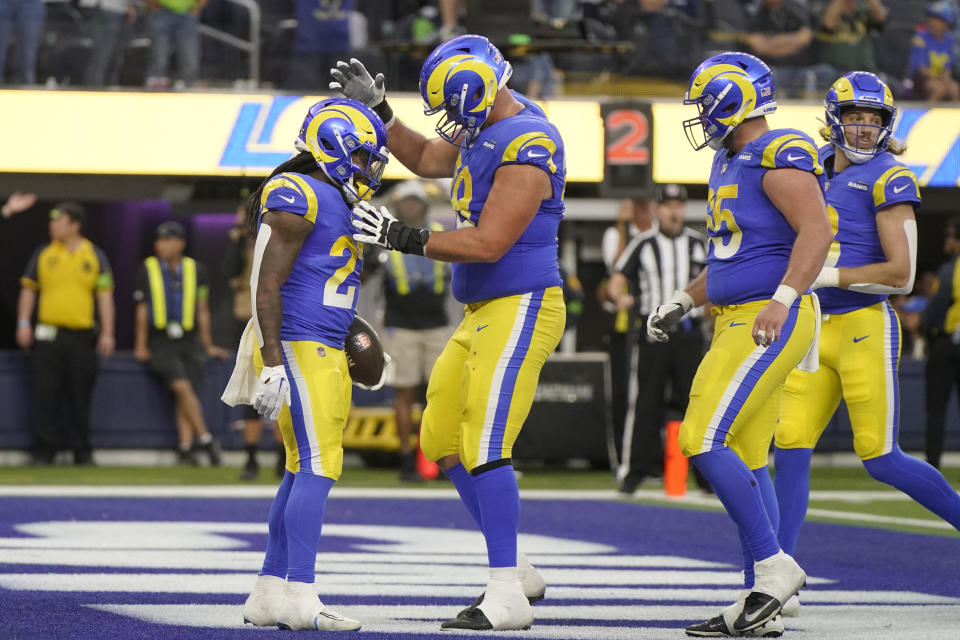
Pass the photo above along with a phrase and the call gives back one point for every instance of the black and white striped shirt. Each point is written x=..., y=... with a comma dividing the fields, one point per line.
x=658, y=265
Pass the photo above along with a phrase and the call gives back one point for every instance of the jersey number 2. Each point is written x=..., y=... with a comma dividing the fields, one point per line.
x=332, y=297
x=718, y=216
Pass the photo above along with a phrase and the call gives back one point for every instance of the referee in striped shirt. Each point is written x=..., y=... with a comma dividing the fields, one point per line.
x=661, y=373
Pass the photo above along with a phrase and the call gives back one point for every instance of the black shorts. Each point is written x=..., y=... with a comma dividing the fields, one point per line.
x=182, y=359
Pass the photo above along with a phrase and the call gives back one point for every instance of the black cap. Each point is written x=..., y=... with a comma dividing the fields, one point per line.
x=671, y=192
x=73, y=210
x=171, y=229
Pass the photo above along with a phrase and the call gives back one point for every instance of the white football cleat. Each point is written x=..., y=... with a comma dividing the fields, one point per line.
x=777, y=579
x=504, y=607
x=791, y=609
x=265, y=602
x=534, y=586
x=303, y=610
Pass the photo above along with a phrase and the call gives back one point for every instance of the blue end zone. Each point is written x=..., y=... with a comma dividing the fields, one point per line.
x=49, y=596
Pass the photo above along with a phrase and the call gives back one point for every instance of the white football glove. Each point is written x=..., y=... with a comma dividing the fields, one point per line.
x=383, y=374
x=272, y=393
x=372, y=223
x=354, y=81
x=667, y=317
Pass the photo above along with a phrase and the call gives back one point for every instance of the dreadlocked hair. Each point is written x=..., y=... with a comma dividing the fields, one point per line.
x=303, y=162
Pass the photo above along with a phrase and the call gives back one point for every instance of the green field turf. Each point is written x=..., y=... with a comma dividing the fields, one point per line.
x=832, y=479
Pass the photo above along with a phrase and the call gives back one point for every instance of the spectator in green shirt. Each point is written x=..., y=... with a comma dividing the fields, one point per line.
x=174, y=21
x=845, y=36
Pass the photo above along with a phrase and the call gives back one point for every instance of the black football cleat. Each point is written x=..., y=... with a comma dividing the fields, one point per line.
x=470, y=618
x=476, y=603
x=757, y=610
x=715, y=627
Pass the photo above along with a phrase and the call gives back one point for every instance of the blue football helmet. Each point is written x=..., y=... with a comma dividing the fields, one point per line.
x=348, y=141
x=462, y=77
x=727, y=88
x=863, y=90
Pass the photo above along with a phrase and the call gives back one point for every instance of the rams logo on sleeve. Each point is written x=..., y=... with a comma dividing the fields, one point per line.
x=534, y=147
x=290, y=192
x=792, y=151
x=896, y=184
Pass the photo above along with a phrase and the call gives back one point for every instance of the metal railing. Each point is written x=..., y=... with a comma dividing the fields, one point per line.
x=251, y=47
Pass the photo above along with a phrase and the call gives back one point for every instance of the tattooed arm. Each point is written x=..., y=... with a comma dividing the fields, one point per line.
x=281, y=237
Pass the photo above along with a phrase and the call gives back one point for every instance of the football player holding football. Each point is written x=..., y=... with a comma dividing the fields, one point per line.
x=871, y=200
x=507, y=164
x=769, y=235
x=304, y=284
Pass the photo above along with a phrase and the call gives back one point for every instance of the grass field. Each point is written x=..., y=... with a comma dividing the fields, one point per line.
x=846, y=495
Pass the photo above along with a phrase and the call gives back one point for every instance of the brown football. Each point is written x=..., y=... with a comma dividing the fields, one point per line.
x=364, y=353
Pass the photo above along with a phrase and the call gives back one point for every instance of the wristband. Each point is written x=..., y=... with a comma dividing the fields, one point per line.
x=785, y=295
x=407, y=239
x=383, y=110
x=23, y=323
x=684, y=299
x=829, y=277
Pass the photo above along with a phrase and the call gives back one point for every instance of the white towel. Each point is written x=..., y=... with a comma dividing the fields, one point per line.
x=811, y=361
x=242, y=387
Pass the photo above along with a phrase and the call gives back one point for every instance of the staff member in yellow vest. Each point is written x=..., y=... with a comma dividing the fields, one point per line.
x=67, y=276
x=172, y=333
x=941, y=321
x=417, y=326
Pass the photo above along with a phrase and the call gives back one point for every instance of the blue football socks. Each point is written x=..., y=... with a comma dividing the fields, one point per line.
x=737, y=488
x=275, y=562
x=303, y=519
x=467, y=488
x=918, y=480
x=499, y=500
x=792, y=482
x=769, y=497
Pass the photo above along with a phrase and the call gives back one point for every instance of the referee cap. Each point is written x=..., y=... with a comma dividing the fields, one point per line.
x=171, y=229
x=671, y=192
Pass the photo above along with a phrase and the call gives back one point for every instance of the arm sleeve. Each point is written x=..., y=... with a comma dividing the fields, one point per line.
x=141, y=289
x=105, y=276
x=30, y=279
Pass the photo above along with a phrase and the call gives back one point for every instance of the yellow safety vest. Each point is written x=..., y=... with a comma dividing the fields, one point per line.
x=399, y=269
x=953, y=313
x=158, y=299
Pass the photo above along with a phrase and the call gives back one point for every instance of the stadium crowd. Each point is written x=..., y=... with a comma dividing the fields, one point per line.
x=911, y=44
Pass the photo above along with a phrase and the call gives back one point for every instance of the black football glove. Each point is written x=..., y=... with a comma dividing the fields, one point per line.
x=380, y=227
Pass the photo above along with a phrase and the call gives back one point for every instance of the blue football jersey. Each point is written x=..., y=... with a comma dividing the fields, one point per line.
x=926, y=52
x=854, y=197
x=750, y=240
x=320, y=295
x=531, y=264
